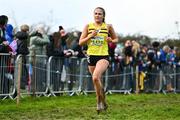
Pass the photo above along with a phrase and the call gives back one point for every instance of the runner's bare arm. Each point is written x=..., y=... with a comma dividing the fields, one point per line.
x=85, y=37
x=112, y=33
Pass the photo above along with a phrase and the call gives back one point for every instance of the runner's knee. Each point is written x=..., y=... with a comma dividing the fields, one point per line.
x=95, y=78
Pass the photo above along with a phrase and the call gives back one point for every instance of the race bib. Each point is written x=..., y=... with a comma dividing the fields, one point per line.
x=97, y=40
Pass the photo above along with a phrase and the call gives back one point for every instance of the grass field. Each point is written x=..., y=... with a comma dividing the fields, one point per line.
x=121, y=107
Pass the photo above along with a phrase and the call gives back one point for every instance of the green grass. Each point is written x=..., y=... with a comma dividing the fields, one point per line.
x=121, y=107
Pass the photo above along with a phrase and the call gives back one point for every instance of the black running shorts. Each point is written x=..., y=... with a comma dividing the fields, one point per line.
x=92, y=60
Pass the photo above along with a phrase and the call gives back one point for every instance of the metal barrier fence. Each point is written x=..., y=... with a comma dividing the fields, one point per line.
x=120, y=79
x=168, y=78
x=63, y=75
x=7, y=83
x=34, y=74
x=162, y=79
x=55, y=75
x=177, y=78
x=153, y=80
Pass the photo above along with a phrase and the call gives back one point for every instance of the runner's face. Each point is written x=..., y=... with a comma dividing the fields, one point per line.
x=98, y=15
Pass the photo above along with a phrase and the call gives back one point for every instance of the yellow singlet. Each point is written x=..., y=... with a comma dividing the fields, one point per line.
x=98, y=45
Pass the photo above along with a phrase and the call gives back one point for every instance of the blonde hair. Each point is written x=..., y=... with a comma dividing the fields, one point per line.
x=24, y=28
x=135, y=48
x=166, y=48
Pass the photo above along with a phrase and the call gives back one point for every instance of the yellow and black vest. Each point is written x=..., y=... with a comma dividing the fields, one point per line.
x=98, y=45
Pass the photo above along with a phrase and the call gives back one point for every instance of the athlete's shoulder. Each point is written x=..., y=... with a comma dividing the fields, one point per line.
x=86, y=26
x=91, y=24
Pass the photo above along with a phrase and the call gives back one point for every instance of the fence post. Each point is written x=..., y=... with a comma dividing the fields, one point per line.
x=33, y=62
x=137, y=80
x=19, y=79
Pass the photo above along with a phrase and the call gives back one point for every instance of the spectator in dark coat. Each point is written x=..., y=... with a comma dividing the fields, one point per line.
x=3, y=41
x=22, y=49
x=4, y=60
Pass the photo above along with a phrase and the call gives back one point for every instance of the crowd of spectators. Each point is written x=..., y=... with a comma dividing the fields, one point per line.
x=61, y=44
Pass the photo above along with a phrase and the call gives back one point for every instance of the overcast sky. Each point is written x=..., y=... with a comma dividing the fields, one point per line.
x=155, y=18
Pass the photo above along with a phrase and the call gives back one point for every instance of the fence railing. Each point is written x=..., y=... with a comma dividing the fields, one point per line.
x=53, y=76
